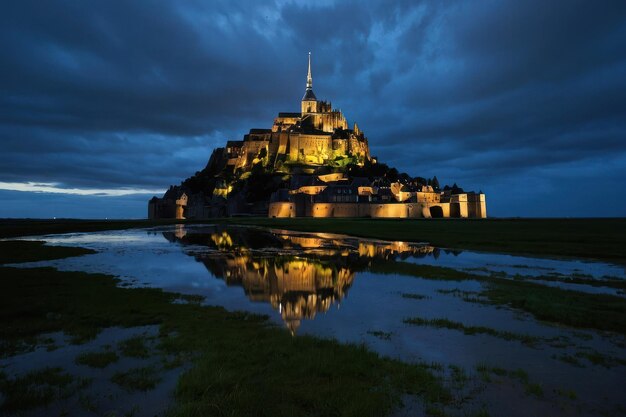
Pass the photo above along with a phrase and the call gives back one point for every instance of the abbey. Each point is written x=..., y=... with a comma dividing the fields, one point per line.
x=309, y=164
x=315, y=136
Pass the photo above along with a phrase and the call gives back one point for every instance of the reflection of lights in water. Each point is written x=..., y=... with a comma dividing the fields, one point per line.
x=298, y=275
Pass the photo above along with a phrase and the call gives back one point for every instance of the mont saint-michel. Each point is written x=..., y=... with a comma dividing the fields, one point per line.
x=304, y=258
x=310, y=164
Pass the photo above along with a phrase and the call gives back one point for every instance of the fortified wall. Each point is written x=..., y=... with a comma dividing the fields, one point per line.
x=338, y=199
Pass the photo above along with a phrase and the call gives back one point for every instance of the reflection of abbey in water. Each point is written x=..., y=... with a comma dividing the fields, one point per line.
x=298, y=274
x=297, y=288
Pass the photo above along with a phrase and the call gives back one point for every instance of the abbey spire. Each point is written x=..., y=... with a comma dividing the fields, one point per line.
x=308, y=94
x=309, y=79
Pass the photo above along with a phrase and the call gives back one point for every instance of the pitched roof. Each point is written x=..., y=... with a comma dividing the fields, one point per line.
x=309, y=95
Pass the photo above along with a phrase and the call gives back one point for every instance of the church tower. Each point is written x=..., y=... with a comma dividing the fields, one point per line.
x=309, y=101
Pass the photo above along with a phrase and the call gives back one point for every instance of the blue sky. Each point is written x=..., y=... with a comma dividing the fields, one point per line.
x=107, y=103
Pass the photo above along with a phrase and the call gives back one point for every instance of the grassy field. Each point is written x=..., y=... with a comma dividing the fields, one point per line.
x=30, y=251
x=252, y=367
x=602, y=239
x=29, y=227
x=582, y=238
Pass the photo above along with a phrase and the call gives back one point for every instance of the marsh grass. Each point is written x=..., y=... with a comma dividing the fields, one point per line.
x=534, y=389
x=137, y=379
x=443, y=323
x=97, y=359
x=415, y=296
x=192, y=298
x=468, y=296
x=388, y=267
x=570, y=359
x=34, y=389
x=520, y=375
x=19, y=251
x=380, y=334
x=483, y=369
x=569, y=394
x=572, y=308
x=458, y=376
x=134, y=347
x=87, y=403
x=615, y=283
x=600, y=359
x=481, y=413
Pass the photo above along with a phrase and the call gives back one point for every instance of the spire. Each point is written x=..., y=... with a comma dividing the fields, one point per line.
x=309, y=79
x=308, y=94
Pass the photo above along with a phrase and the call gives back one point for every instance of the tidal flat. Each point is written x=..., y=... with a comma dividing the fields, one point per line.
x=224, y=319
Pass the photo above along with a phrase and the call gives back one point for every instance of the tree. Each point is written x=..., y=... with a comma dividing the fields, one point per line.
x=435, y=183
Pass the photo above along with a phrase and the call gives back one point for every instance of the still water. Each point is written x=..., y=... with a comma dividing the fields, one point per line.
x=323, y=285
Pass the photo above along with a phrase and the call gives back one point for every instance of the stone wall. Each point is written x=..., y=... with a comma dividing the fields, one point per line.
x=373, y=210
x=282, y=209
x=340, y=210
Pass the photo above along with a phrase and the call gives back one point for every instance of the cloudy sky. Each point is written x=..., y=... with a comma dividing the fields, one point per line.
x=105, y=103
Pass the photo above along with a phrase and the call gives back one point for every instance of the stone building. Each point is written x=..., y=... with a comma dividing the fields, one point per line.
x=315, y=136
x=344, y=197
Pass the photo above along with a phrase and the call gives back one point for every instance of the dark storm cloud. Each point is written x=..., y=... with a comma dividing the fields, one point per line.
x=488, y=94
x=129, y=66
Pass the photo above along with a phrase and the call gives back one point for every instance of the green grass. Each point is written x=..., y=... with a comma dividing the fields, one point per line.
x=97, y=359
x=570, y=359
x=87, y=403
x=380, y=334
x=572, y=308
x=423, y=271
x=34, y=389
x=192, y=298
x=597, y=358
x=18, y=251
x=569, y=394
x=534, y=389
x=531, y=388
x=443, y=323
x=608, y=282
x=137, y=379
x=481, y=413
x=135, y=347
x=468, y=296
x=30, y=227
x=458, y=375
x=414, y=296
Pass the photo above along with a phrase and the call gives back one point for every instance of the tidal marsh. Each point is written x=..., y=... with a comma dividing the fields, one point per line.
x=222, y=324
